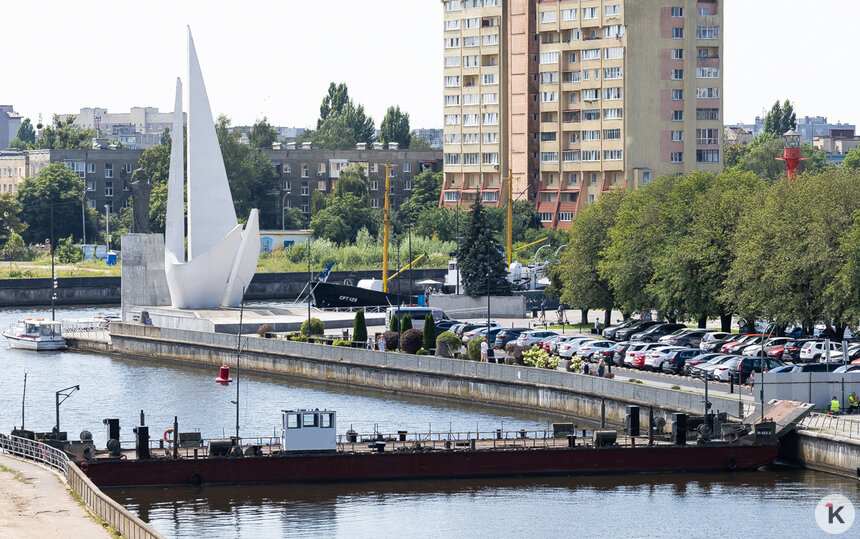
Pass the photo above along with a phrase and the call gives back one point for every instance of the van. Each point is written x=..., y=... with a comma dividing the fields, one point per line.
x=417, y=313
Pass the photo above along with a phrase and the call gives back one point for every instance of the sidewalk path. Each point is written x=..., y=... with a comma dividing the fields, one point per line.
x=36, y=503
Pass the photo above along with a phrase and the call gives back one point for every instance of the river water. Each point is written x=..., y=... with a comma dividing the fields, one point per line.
x=768, y=504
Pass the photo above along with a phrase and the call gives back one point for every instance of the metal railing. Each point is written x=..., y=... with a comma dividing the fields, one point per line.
x=101, y=505
x=90, y=331
x=836, y=425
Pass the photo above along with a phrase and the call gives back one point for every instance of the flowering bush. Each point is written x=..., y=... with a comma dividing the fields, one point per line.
x=538, y=357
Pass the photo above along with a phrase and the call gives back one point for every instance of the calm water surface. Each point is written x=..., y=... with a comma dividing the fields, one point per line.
x=775, y=504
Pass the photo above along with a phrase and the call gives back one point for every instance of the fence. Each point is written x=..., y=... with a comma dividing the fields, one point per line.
x=846, y=426
x=815, y=387
x=101, y=505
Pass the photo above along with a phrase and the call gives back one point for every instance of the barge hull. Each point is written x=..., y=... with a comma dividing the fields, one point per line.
x=345, y=467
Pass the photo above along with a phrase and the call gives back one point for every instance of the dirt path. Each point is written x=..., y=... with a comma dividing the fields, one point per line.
x=35, y=503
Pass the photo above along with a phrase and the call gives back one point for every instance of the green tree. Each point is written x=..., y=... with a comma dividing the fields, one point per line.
x=429, y=332
x=67, y=252
x=58, y=185
x=440, y=223
x=780, y=119
x=479, y=257
x=852, y=160
x=62, y=135
x=394, y=325
x=316, y=327
x=262, y=135
x=351, y=180
x=14, y=248
x=426, y=191
x=578, y=277
x=525, y=220
x=789, y=118
x=406, y=323
x=734, y=154
x=418, y=143
x=294, y=219
x=359, y=327
x=342, y=123
x=10, y=217
x=395, y=128
x=165, y=137
x=342, y=218
x=25, y=138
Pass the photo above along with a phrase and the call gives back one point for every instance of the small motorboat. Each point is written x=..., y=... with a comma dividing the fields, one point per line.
x=36, y=334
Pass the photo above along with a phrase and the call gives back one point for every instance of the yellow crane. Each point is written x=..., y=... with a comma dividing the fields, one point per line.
x=422, y=255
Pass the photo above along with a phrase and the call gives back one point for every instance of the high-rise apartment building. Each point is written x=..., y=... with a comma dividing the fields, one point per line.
x=577, y=97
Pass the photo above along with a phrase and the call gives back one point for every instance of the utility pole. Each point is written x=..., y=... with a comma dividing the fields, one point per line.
x=457, y=241
x=510, y=231
x=385, y=226
x=107, y=227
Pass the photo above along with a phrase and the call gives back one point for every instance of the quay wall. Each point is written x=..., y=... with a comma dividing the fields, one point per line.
x=508, y=386
x=106, y=290
x=822, y=452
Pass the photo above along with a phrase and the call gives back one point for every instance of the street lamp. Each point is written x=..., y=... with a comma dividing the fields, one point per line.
x=791, y=153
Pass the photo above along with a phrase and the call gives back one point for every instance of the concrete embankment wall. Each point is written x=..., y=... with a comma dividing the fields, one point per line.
x=106, y=290
x=822, y=452
x=460, y=307
x=520, y=387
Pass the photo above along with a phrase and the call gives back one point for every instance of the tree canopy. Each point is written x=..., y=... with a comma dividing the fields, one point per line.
x=58, y=185
x=63, y=135
x=25, y=138
x=10, y=217
x=341, y=123
x=262, y=135
x=395, y=128
x=426, y=191
x=780, y=119
x=479, y=257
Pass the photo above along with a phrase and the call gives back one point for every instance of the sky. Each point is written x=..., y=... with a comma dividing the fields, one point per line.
x=277, y=58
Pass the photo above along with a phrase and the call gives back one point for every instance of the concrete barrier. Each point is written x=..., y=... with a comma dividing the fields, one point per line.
x=460, y=307
x=509, y=386
x=814, y=387
x=822, y=452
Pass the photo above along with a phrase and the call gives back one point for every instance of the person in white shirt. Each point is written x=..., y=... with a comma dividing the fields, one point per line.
x=484, y=348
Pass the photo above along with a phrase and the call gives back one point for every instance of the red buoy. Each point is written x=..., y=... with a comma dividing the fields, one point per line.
x=224, y=376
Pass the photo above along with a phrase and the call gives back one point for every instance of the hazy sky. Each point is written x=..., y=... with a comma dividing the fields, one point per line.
x=276, y=58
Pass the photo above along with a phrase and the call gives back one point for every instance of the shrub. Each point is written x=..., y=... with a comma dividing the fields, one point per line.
x=392, y=339
x=410, y=341
x=67, y=252
x=317, y=327
x=473, y=349
x=406, y=323
x=342, y=343
x=454, y=342
x=423, y=352
x=14, y=249
x=517, y=354
x=429, y=332
x=394, y=325
x=676, y=388
x=540, y=358
x=576, y=364
x=359, y=327
x=299, y=338
x=263, y=329
x=510, y=347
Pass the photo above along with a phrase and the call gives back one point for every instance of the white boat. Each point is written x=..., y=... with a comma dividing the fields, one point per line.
x=36, y=334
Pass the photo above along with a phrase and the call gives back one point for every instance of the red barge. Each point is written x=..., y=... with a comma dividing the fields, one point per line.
x=309, y=451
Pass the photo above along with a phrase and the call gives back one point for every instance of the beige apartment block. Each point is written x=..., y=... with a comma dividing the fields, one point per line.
x=594, y=95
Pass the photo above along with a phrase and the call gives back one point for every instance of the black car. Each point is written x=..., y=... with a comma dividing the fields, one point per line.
x=747, y=365
x=618, y=353
x=445, y=325
x=609, y=333
x=716, y=344
x=655, y=332
x=690, y=339
x=507, y=335
x=816, y=367
x=697, y=360
x=676, y=360
x=625, y=333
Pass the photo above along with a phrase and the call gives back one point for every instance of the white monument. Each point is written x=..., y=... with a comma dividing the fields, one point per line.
x=222, y=258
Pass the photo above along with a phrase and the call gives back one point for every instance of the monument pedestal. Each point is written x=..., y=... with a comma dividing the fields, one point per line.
x=143, y=279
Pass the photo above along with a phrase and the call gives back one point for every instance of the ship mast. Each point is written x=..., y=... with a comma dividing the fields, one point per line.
x=385, y=226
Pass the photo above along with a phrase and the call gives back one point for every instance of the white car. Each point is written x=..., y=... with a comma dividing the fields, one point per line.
x=639, y=349
x=655, y=357
x=570, y=348
x=587, y=350
x=755, y=349
x=815, y=350
x=723, y=371
x=561, y=339
x=533, y=337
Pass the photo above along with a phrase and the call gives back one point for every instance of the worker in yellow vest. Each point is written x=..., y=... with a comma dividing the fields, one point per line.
x=853, y=403
x=834, y=405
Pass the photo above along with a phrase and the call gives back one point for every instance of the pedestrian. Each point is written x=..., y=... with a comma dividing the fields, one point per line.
x=853, y=403
x=484, y=349
x=585, y=368
x=560, y=313
x=382, y=343
x=601, y=368
x=370, y=343
x=543, y=311
x=834, y=406
x=751, y=381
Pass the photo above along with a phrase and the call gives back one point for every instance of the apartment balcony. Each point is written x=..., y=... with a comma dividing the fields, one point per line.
x=711, y=61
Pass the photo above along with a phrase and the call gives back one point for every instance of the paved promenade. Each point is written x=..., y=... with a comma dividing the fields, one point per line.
x=36, y=503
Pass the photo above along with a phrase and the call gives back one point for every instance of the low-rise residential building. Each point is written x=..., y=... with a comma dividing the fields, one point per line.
x=139, y=129
x=737, y=135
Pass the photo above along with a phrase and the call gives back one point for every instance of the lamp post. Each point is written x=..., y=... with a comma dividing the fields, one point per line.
x=791, y=153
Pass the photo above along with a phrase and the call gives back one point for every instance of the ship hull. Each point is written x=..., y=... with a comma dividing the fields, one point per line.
x=345, y=467
x=330, y=295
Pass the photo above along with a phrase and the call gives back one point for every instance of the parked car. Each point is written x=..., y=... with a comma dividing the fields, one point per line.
x=445, y=325
x=625, y=333
x=815, y=367
x=713, y=341
x=703, y=370
x=609, y=332
x=482, y=333
x=636, y=353
x=817, y=350
x=551, y=343
x=853, y=353
x=620, y=350
x=529, y=338
x=747, y=365
x=848, y=368
x=732, y=346
x=466, y=328
x=693, y=362
x=784, y=368
x=655, y=332
x=676, y=359
x=570, y=348
x=588, y=351
x=654, y=358
x=723, y=371
x=688, y=337
x=507, y=335
x=761, y=350
x=561, y=339
x=791, y=349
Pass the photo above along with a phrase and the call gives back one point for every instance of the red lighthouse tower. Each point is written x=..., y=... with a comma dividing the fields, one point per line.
x=791, y=153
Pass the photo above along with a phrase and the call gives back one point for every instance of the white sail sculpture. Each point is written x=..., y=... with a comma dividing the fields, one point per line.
x=222, y=258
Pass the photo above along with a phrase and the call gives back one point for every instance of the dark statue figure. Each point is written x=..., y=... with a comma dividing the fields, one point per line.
x=140, y=189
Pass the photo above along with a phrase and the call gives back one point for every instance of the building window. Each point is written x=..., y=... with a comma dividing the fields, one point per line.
x=549, y=77
x=677, y=33
x=646, y=176
x=452, y=100
x=489, y=78
x=490, y=99
x=546, y=216
x=707, y=156
x=453, y=24
x=407, y=167
x=470, y=119
x=572, y=157
x=589, y=13
x=470, y=99
x=452, y=61
x=611, y=134
x=452, y=196
x=549, y=57
x=708, y=32
x=470, y=42
x=547, y=17
x=568, y=14
x=549, y=157
x=707, y=72
x=287, y=168
x=677, y=54
x=590, y=155
x=452, y=42
x=613, y=114
x=676, y=157
x=490, y=118
x=707, y=136
x=588, y=96
x=91, y=168
x=614, y=9
x=305, y=170
x=321, y=168
x=677, y=136
x=548, y=136
x=452, y=81
x=470, y=23
x=452, y=138
x=677, y=74
x=470, y=61
x=591, y=114
x=611, y=73
x=374, y=202
x=708, y=93
x=677, y=95
x=707, y=114
x=452, y=159
x=306, y=208
x=490, y=158
x=549, y=97
x=470, y=158
x=470, y=138
x=613, y=30
x=591, y=134
x=490, y=138
x=374, y=167
x=108, y=170
x=565, y=216
x=572, y=178
x=612, y=155
x=591, y=54
x=453, y=5
x=677, y=12
x=91, y=185
x=452, y=119
x=490, y=196
x=91, y=204
x=305, y=189
x=677, y=115
x=407, y=185
x=611, y=94
x=374, y=185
